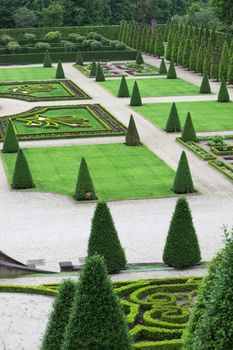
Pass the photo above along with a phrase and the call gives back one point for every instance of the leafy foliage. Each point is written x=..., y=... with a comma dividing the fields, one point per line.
x=183, y=182
x=173, y=122
x=84, y=187
x=136, y=96
x=132, y=137
x=123, y=89
x=59, y=71
x=188, y=133
x=10, y=144
x=22, y=178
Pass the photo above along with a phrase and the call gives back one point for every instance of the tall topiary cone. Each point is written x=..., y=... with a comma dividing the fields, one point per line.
x=10, y=144
x=47, y=60
x=132, y=137
x=96, y=320
x=22, y=178
x=104, y=239
x=188, y=133
x=183, y=182
x=60, y=72
x=93, y=69
x=59, y=316
x=79, y=59
x=139, y=58
x=162, y=68
x=123, y=89
x=181, y=247
x=99, y=73
x=136, y=96
x=173, y=122
x=205, y=85
x=171, y=74
x=84, y=188
x=223, y=95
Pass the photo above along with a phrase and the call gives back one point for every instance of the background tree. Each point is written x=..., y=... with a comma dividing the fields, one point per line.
x=53, y=15
x=224, y=10
x=24, y=17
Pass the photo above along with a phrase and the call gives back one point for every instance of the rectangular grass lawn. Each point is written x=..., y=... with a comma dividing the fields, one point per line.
x=154, y=87
x=27, y=73
x=206, y=115
x=118, y=171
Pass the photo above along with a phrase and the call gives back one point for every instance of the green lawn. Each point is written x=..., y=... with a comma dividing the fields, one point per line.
x=118, y=171
x=206, y=115
x=26, y=73
x=154, y=87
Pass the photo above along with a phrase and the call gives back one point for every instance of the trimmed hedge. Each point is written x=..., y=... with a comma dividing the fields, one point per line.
x=197, y=149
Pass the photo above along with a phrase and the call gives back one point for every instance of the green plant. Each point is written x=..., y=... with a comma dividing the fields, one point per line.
x=171, y=74
x=93, y=69
x=22, y=178
x=139, y=58
x=84, y=187
x=136, y=96
x=13, y=46
x=188, y=133
x=205, y=85
x=99, y=73
x=29, y=37
x=223, y=95
x=183, y=182
x=59, y=71
x=10, y=144
x=181, y=248
x=42, y=46
x=96, y=45
x=47, y=60
x=132, y=137
x=79, y=59
x=123, y=89
x=121, y=46
x=53, y=37
x=173, y=122
x=217, y=140
x=162, y=68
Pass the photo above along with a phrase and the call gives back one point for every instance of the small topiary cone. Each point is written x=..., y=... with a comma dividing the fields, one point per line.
x=47, y=60
x=93, y=69
x=84, y=187
x=188, y=133
x=136, y=96
x=205, y=85
x=171, y=74
x=173, y=122
x=60, y=72
x=79, y=59
x=139, y=58
x=123, y=89
x=22, y=178
x=10, y=144
x=99, y=73
x=183, y=182
x=163, y=67
x=132, y=137
x=223, y=95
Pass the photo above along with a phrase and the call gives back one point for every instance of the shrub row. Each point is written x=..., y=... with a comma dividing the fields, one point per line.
x=42, y=290
x=197, y=149
x=174, y=344
x=223, y=168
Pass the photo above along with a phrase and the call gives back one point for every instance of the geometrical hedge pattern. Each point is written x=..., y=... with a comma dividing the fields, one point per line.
x=157, y=310
x=63, y=122
x=42, y=90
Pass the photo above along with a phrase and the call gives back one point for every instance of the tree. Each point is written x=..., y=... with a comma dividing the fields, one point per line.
x=25, y=18
x=223, y=67
x=84, y=188
x=171, y=74
x=52, y=16
x=79, y=59
x=132, y=137
x=188, y=133
x=162, y=68
x=223, y=95
x=224, y=10
x=10, y=144
x=22, y=178
x=181, y=248
x=123, y=89
x=139, y=58
x=47, y=60
x=136, y=96
x=60, y=72
x=93, y=69
x=230, y=71
x=59, y=316
x=119, y=10
x=205, y=85
x=99, y=73
x=186, y=53
x=159, y=47
x=104, y=239
x=183, y=182
x=173, y=122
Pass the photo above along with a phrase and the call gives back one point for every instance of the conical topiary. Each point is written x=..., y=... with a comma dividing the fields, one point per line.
x=93, y=69
x=183, y=182
x=96, y=320
x=104, y=239
x=60, y=72
x=10, y=144
x=181, y=248
x=99, y=73
x=47, y=60
x=79, y=59
x=223, y=95
x=84, y=188
x=123, y=89
x=136, y=96
x=188, y=133
x=205, y=85
x=132, y=137
x=173, y=122
x=139, y=58
x=163, y=67
x=171, y=74
x=22, y=178
x=59, y=317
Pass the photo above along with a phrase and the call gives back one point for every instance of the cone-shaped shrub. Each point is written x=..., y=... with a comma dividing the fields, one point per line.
x=223, y=95
x=93, y=69
x=136, y=96
x=104, y=239
x=205, y=85
x=79, y=59
x=139, y=58
x=60, y=72
x=171, y=74
x=22, y=177
x=47, y=60
x=132, y=137
x=188, y=133
x=99, y=73
x=59, y=317
x=10, y=144
x=162, y=68
x=96, y=320
x=173, y=122
x=181, y=247
x=123, y=89
x=84, y=188
x=183, y=182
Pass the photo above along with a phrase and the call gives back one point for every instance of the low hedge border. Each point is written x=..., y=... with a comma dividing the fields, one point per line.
x=223, y=152
x=168, y=317
x=219, y=168
x=155, y=333
x=174, y=344
x=200, y=154
x=41, y=290
x=86, y=72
